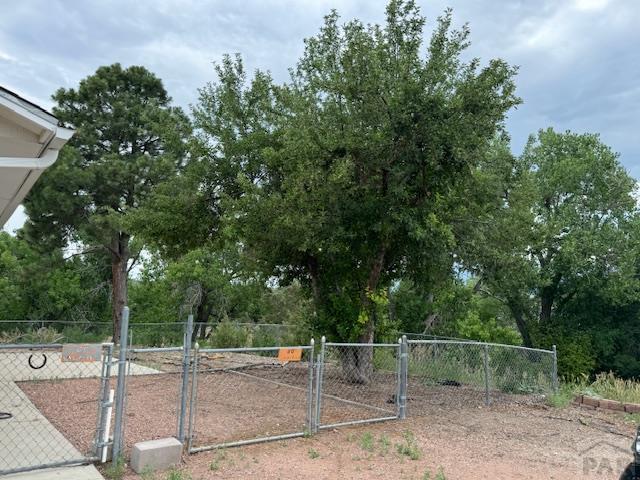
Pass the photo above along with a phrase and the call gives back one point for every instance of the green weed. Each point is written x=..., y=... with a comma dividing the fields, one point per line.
x=367, y=441
x=313, y=454
x=115, y=470
x=175, y=474
x=409, y=446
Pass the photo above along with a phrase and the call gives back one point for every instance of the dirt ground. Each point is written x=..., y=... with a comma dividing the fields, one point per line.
x=448, y=428
x=515, y=442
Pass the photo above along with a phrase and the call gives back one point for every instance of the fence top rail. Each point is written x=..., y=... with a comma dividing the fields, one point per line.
x=455, y=342
x=436, y=337
x=155, y=349
x=23, y=346
x=337, y=344
x=252, y=349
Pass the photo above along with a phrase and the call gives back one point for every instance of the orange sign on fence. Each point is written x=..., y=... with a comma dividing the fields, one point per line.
x=81, y=352
x=290, y=354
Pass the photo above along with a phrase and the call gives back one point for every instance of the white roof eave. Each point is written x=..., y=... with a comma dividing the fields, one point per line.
x=26, y=171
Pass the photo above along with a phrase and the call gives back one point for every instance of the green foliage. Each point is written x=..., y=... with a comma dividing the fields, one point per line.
x=313, y=454
x=409, y=447
x=439, y=475
x=608, y=386
x=576, y=355
x=228, y=335
x=176, y=474
x=45, y=286
x=128, y=138
x=563, y=228
x=487, y=330
x=566, y=394
x=116, y=469
x=367, y=441
x=605, y=385
x=340, y=177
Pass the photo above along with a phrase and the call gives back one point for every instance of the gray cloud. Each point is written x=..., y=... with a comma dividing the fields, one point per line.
x=579, y=60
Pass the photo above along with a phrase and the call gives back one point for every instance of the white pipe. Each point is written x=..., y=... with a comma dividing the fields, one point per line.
x=105, y=437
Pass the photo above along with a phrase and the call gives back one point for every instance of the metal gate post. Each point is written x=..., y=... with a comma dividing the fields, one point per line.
x=555, y=370
x=404, y=378
x=398, y=376
x=319, y=374
x=487, y=399
x=99, y=443
x=310, y=418
x=186, y=359
x=193, y=399
x=120, y=397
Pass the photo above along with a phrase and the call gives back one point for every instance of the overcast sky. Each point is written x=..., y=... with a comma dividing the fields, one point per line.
x=579, y=59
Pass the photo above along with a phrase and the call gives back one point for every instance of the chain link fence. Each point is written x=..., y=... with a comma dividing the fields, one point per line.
x=46, y=392
x=460, y=374
x=357, y=383
x=216, y=397
x=249, y=395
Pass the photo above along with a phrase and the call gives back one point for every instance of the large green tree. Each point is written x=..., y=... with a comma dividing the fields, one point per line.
x=128, y=138
x=341, y=177
x=564, y=225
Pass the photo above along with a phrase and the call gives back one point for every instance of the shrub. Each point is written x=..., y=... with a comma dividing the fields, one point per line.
x=229, y=335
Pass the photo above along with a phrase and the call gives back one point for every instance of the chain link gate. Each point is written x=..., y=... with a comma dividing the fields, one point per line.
x=45, y=391
x=241, y=396
x=359, y=383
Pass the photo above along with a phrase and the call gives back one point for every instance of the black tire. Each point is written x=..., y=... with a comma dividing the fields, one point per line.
x=632, y=472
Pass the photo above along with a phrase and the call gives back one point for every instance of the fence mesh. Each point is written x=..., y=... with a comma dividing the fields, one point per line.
x=51, y=408
x=462, y=374
x=243, y=395
x=358, y=383
x=153, y=394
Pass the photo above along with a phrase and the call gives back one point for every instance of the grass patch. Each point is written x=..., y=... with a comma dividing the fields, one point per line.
x=439, y=475
x=632, y=418
x=175, y=474
x=313, y=454
x=565, y=395
x=610, y=387
x=605, y=385
x=384, y=443
x=147, y=473
x=409, y=447
x=115, y=470
x=367, y=441
x=216, y=463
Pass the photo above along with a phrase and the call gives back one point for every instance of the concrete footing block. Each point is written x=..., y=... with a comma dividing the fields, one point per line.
x=156, y=454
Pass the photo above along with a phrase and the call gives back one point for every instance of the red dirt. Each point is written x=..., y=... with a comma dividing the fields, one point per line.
x=506, y=441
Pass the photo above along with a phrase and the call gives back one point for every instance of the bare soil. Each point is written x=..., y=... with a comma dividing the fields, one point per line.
x=516, y=438
x=514, y=442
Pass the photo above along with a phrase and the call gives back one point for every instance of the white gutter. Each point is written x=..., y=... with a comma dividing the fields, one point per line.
x=52, y=139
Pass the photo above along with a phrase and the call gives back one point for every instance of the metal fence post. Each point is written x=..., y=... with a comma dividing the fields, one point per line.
x=485, y=361
x=120, y=397
x=310, y=419
x=404, y=377
x=319, y=373
x=186, y=359
x=398, y=376
x=101, y=432
x=555, y=370
x=194, y=396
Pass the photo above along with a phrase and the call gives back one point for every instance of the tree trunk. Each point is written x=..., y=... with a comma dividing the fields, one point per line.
x=358, y=361
x=431, y=318
x=119, y=276
x=521, y=323
x=547, y=299
x=202, y=318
